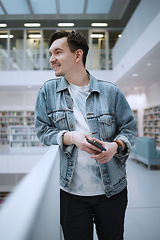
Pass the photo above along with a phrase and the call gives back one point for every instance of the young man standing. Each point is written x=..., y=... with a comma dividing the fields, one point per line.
x=75, y=108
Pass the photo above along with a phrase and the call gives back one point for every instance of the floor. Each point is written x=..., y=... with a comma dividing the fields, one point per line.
x=142, y=220
x=143, y=213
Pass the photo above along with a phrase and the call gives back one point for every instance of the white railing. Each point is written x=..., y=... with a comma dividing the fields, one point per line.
x=32, y=210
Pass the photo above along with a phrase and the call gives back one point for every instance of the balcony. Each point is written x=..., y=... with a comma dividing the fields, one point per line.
x=36, y=59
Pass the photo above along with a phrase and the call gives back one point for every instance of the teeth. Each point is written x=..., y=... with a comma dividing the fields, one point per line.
x=56, y=64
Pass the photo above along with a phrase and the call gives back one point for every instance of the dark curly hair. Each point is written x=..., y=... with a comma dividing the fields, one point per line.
x=75, y=41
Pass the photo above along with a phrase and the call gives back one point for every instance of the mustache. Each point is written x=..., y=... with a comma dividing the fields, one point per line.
x=55, y=63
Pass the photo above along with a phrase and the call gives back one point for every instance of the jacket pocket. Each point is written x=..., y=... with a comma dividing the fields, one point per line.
x=58, y=118
x=106, y=126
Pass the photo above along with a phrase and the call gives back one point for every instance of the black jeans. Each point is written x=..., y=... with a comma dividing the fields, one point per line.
x=78, y=213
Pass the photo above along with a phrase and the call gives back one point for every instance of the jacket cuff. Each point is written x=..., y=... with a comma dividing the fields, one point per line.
x=66, y=149
x=126, y=152
x=60, y=138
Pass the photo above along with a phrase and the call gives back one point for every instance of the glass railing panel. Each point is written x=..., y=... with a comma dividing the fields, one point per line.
x=16, y=60
x=45, y=63
x=97, y=60
x=34, y=59
x=3, y=60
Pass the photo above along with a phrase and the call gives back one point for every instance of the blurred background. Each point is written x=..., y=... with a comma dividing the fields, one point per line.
x=124, y=43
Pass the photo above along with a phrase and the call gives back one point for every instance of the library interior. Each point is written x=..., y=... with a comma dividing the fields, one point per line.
x=124, y=48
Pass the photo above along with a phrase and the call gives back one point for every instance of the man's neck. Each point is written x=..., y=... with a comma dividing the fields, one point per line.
x=79, y=78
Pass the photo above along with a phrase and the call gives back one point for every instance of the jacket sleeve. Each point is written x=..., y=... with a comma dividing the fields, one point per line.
x=45, y=129
x=126, y=128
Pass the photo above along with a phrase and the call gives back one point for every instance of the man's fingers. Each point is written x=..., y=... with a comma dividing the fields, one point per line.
x=97, y=140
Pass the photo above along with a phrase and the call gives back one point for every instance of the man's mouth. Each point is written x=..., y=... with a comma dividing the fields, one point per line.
x=54, y=65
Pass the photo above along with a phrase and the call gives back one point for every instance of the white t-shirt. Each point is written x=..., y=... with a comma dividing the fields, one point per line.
x=86, y=178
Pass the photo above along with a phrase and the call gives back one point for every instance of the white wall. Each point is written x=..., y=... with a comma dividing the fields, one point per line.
x=24, y=78
x=8, y=181
x=37, y=78
x=153, y=95
x=17, y=100
x=13, y=167
x=138, y=102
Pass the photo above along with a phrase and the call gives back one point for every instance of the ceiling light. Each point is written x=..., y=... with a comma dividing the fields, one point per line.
x=32, y=24
x=99, y=24
x=66, y=24
x=3, y=25
x=134, y=75
x=6, y=36
x=119, y=35
x=97, y=35
x=34, y=36
x=149, y=64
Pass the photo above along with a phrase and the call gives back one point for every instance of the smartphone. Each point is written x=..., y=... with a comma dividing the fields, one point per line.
x=93, y=142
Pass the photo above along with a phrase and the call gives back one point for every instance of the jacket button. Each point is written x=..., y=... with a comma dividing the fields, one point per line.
x=70, y=163
x=65, y=184
x=71, y=126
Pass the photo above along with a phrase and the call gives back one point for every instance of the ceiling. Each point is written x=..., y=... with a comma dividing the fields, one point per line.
x=143, y=74
x=82, y=12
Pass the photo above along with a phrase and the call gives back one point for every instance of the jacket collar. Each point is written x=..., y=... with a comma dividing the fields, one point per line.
x=94, y=85
x=63, y=84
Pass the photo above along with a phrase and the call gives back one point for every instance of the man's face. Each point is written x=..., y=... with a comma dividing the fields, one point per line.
x=62, y=59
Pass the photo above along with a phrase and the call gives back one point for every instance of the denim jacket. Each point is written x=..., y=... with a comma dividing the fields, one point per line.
x=108, y=115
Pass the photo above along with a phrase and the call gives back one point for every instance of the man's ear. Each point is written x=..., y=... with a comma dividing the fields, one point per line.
x=78, y=55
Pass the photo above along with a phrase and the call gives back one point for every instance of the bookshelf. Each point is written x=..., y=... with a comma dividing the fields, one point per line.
x=23, y=136
x=151, y=123
x=17, y=129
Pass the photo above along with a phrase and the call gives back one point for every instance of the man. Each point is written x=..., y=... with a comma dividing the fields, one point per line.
x=70, y=110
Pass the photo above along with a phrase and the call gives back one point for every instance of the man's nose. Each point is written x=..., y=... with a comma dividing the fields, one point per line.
x=52, y=59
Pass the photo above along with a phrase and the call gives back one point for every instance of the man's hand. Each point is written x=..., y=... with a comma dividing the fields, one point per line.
x=79, y=139
x=105, y=156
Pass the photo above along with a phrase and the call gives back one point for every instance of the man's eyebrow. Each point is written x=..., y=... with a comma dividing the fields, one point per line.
x=56, y=49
